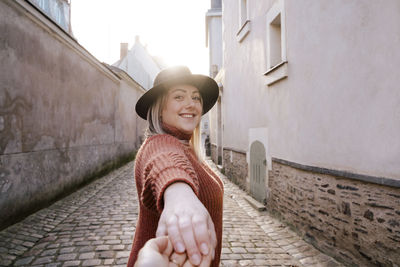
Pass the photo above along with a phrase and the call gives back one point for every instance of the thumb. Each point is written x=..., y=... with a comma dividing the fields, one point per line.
x=162, y=245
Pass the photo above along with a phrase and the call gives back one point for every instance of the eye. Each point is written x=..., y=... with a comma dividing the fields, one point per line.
x=178, y=97
x=196, y=98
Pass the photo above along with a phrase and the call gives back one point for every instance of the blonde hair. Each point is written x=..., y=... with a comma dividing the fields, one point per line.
x=155, y=125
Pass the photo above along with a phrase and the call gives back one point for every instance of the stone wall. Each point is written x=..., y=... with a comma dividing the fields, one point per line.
x=214, y=153
x=235, y=167
x=64, y=116
x=356, y=222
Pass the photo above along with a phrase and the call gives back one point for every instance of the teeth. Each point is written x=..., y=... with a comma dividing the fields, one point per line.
x=187, y=116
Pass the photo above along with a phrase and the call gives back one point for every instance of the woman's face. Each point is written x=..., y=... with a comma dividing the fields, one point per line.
x=182, y=108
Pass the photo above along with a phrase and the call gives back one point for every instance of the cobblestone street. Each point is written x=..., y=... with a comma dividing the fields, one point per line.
x=95, y=225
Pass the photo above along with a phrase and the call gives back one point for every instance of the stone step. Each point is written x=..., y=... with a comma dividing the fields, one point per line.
x=254, y=203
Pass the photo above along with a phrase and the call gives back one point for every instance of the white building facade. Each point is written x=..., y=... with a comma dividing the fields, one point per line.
x=310, y=119
x=139, y=64
x=214, y=43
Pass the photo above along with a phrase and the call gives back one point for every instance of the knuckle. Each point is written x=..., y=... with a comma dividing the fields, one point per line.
x=184, y=223
x=171, y=221
x=198, y=221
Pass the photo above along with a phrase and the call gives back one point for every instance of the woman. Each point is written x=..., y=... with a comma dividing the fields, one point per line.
x=179, y=195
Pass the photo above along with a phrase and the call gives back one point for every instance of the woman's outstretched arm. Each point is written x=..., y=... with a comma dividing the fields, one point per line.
x=188, y=224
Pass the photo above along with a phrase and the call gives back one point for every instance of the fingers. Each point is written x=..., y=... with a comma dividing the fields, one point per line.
x=177, y=259
x=213, y=235
x=159, y=244
x=187, y=233
x=187, y=264
x=206, y=261
x=194, y=235
x=155, y=253
x=175, y=235
x=201, y=231
x=161, y=228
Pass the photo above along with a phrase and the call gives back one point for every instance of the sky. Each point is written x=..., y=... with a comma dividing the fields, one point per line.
x=172, y=29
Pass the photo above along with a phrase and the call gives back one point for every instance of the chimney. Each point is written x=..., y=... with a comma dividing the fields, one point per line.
x=215, y=4
x=137, y=39
x=123, y=50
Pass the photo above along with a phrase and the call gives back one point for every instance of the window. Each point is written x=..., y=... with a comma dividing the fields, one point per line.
x=57, y=10
x=44, y=5
x=276, y=43
x=244, y=22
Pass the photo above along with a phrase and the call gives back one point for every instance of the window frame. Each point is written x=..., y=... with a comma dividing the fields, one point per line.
x=244, y=21
x=276, y=69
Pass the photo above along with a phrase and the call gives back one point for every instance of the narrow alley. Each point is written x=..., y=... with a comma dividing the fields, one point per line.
x=304, y=114
x=95, y=225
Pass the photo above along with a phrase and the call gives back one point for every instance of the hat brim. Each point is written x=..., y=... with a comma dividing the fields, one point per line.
x=207, y=87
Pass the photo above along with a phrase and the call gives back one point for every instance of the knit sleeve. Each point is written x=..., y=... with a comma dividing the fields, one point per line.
x=165, y=162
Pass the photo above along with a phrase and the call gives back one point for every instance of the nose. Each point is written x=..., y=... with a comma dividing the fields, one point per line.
x=190, y=102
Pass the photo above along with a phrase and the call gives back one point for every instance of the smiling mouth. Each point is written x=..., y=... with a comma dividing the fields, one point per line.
x=187, y=115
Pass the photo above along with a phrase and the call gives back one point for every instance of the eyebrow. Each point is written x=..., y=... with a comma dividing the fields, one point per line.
x=184, y=91
x=178, y=90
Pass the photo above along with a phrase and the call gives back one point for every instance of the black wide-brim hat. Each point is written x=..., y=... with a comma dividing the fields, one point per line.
x=168, y=77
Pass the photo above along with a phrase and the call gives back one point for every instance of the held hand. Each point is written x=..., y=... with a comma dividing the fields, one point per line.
x=181, y=260
x=188, y=224
x=156, y=252
x=159, y=252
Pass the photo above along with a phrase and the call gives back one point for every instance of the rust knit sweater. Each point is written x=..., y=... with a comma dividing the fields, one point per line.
x=162, y=160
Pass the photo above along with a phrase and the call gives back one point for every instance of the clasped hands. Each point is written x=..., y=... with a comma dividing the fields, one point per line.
x=185, y=234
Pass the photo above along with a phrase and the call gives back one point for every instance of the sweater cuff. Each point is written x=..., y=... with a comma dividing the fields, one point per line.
x=153, y=194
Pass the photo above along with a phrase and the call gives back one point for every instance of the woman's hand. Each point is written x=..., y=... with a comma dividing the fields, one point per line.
x=188, y=224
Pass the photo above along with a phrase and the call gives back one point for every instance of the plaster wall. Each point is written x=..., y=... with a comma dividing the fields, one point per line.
x=334, y=115
x=244, y=95
x=129, y=128
x=64, y=117
x=214, y=31
x=213, y=118
x=215, y=41
x=339, y=106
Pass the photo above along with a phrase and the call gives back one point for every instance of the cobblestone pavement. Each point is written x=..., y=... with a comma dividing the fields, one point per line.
x=95, y=225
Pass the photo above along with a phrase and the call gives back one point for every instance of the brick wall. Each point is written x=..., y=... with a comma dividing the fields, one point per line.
x=354, y=221
x=214, y=153
x=235, y=167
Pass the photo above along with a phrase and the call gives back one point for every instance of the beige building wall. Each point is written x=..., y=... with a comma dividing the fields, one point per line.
x=214, y=43
x=65, y=118
x=341, y=97
x=339, y=106
x=244, y=92
x=326, y=110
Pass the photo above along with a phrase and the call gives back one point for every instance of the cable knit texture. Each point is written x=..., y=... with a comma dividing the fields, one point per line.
x=162, y=160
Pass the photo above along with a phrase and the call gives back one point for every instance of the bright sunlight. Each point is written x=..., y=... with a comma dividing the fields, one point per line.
x=173, y=30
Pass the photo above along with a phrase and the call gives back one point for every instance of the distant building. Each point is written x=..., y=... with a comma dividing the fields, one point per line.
x=309, y=119
x=214, y=36
x=214, y=43
x=139, y=64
